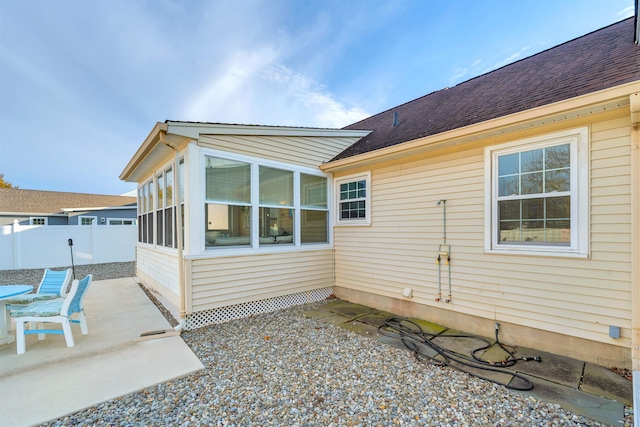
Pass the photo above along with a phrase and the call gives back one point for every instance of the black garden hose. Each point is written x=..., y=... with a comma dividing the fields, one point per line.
x=425, y=350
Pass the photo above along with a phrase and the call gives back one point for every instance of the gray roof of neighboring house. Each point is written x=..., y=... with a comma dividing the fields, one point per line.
x=16, y=200
x=599, y=60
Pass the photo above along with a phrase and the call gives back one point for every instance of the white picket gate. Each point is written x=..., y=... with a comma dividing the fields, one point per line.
x=41, y=246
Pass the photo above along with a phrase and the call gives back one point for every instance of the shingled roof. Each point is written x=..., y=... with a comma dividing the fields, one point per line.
x=599, y=60
x=52, y=202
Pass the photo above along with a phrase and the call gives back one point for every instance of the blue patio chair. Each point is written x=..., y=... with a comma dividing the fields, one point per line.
x=57, y=310
x=53, y=285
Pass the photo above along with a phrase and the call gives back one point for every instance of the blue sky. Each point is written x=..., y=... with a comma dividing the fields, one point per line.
x=82, y=83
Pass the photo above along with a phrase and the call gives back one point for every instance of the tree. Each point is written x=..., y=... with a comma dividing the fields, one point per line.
x=4, y=183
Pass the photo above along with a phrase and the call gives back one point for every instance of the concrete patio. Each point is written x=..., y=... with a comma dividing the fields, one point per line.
x=50, y=380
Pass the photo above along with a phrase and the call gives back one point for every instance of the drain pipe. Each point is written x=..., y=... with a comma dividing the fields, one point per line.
x=181, y=281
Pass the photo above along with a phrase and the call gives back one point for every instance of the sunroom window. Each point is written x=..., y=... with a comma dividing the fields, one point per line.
x=259, y=205
x=276, y=206
x=538, y=195
x=314, y=209
x=145, y=212
x=228, y=202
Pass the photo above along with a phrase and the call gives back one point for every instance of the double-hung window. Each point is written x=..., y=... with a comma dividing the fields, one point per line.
x=537, y=195
x=255, y=203
x=353, y=200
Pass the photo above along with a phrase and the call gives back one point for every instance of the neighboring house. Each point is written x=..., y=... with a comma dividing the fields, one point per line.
x=531, y=172
x=35, y=207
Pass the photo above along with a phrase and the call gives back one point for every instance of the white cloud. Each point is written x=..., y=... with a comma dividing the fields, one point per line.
x=626, y=12
x=224, y=87
x=326, y=111
x=254, y=88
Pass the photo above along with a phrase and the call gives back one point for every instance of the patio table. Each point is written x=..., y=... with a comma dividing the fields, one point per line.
x=6, y=292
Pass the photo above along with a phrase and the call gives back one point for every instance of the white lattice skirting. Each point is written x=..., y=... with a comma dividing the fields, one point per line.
x=238, y=311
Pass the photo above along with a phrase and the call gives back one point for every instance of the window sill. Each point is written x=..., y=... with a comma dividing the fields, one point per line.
x=215, y=252
x=540, y=252
x=352, y=223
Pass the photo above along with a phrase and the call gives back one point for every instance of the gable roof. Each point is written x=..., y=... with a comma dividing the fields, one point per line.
x=14, y=200
x=599, y=60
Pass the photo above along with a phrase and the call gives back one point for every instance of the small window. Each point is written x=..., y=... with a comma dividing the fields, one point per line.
x=353, y=195
x=38, y=220
x=117, y=221
x=87, y=220
x=538, y=195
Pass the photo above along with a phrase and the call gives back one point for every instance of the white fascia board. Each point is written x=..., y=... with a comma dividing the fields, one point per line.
x=31, y=214
x=149, y=144
x=194, y=130
x=98, y=209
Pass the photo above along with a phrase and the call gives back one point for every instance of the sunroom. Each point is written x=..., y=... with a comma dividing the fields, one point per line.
x=255, y=214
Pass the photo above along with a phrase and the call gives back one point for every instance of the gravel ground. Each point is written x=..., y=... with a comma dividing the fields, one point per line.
x=112, y=270
x=283, y=369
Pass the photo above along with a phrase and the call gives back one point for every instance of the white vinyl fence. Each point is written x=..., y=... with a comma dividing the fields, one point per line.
x=47, y=246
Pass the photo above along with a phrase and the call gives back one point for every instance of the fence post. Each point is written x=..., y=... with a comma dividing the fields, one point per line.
x=16, y=244
x=94, y=237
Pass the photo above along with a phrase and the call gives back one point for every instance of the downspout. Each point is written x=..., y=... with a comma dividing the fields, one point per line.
x=181, y=281
x=635, y=250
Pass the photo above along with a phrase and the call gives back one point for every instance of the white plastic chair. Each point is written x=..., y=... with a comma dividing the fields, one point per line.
x=53, y=285
x=57, y=310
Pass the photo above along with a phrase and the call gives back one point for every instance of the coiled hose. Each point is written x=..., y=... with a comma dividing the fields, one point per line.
x=425, y=350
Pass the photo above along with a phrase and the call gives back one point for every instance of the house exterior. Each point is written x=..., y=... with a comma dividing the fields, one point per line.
x=36, y=207
x=512, y=198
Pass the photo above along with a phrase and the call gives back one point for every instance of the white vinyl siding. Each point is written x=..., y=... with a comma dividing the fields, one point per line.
x=571, y=296
x=224, y=281
x=159, y=269
x=303, y=151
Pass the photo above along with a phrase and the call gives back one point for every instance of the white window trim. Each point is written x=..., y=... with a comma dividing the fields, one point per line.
x=255, y=247
x=336, y=204
x=580, y=166
x=93, y=218
x=46, y=220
